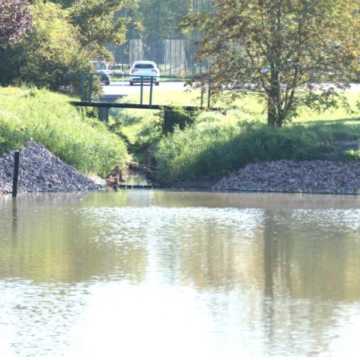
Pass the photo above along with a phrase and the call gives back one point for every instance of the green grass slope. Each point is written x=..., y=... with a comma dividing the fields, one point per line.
x=47, y=118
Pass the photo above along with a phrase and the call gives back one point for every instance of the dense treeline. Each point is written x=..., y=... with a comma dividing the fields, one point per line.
x=66, y=34
x=63, y=37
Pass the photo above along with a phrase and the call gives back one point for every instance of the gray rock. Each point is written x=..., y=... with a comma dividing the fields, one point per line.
x=328, y=177
x=41, y=171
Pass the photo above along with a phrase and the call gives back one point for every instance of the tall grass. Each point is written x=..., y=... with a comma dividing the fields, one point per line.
x=48, y=118
x=211, y=151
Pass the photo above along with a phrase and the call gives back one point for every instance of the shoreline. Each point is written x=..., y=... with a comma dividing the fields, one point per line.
x=194, y=189
x=42, y=172
x=185, y=187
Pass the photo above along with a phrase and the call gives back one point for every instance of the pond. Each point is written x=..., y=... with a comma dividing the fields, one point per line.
x=179, y=275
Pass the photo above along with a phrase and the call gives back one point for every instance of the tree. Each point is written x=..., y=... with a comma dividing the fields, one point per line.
x=162, y=17
x=15, y=20
x=53, y=56
x=281, y=47
x=158, y=20
x=50, y=55
x=99, y=23
x=65, y=36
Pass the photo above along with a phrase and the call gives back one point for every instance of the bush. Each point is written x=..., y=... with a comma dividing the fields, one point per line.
x=178, y=117
x=212, y=150
x=48, y=118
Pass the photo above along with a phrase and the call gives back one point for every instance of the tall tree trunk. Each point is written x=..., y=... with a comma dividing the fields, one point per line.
x=274, y=99
x=275, y=114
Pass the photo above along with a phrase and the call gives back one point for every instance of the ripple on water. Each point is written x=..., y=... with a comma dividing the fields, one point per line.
x=130, y=223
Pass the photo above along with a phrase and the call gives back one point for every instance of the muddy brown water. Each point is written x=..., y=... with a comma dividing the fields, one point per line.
x=172, y=275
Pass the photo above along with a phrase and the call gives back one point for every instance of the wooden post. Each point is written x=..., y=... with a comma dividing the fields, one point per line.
x=209, y=95
x=90, y=88
x=151, y=90
x=142, y=90
x=202, y=95
x=104, y=114
x=16, y=173
x=82, y=87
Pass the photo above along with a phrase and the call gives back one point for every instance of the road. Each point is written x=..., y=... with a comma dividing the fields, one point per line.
x=122, y=88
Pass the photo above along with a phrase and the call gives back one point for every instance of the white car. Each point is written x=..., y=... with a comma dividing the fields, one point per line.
x=144, y=71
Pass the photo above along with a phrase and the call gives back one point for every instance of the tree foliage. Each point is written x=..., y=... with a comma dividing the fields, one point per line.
x=65, y=36
x=52, y=53
x=161, y=18
x=15, y=20
x=281, y=47
x=100, y=23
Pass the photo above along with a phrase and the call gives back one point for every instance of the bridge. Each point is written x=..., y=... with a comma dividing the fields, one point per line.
x=104, y=104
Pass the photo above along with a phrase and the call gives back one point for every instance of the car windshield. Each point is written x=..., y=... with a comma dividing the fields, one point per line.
x=144, y=66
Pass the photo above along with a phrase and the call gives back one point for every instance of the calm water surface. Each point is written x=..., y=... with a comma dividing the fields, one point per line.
x=166, y=275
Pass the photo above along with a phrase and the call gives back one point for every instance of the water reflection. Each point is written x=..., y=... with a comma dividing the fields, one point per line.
x=225, y=275
x=51, y=241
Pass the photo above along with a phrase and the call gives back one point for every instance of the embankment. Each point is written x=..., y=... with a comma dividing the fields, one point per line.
x=312, y=158
x=41, y=171
x=320, y=177
x=45, y=117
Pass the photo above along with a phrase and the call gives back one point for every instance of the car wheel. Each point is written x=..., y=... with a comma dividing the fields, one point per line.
x=131, y=83
x=157, y=83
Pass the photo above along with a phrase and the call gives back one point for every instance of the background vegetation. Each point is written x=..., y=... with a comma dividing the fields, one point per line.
x=218, y=143
x=62, y=39
x=287, y=50
x=210, y=151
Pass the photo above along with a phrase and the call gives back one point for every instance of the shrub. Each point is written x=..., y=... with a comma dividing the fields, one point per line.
x=177, y=117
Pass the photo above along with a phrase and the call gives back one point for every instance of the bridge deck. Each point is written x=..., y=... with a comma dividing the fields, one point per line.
x=101, y=104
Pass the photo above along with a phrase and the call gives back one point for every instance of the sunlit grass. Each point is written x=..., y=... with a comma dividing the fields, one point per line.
x=248, y=107
x=49, y=119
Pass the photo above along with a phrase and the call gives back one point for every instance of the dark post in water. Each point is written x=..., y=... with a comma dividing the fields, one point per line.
x=16, y=173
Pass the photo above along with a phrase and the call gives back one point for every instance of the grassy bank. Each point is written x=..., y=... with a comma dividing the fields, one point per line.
x=47, y=118
x=217, y=144
x=206, y=150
